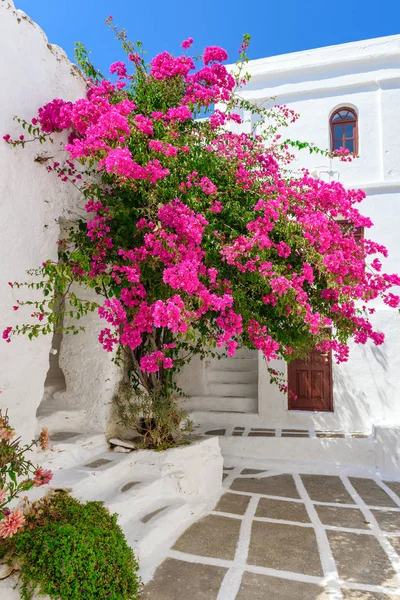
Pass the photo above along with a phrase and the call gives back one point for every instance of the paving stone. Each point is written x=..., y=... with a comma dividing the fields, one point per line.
x=326, y=488
x=128, y=486
x=359, y=435
x=233, y=503
x=237, y=433
x=212, y=536
x=149, y=516
x=177, y=579
x=283, y=510
x=62, y=436
x=252, y=471
x=224, y=476
x=330, y=435
x=394, y=486
x=228, y=468
x=361, y=559
x=342, y=517
x=287, y=434
x=295, y=431
x=261, y=587
x=216, y=432
x=284, y=547
x=239, y=428
x=388, y=520
x=100, y=462
x=261, y=434
x=262, y=429
x=362, y=595
x=371, y=492
x=276, y=485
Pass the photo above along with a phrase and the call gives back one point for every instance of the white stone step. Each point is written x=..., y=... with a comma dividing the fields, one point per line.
x=68, y=448
x=165, y=521
x=57, y=418
x=232, y=404
x=239, y=354
x=241, y=390
x=129, y=502
x=233, y=364
x=224, y=376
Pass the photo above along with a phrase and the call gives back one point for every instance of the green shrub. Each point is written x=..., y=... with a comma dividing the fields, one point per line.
x=74, y=551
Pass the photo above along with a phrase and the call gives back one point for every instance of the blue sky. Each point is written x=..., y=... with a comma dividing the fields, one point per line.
x=276, y=26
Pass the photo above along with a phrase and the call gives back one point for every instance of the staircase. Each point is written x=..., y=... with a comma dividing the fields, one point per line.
x=156, y=495
x=230, y=384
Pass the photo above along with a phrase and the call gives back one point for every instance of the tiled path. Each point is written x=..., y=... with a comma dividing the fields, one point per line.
x=280, y=536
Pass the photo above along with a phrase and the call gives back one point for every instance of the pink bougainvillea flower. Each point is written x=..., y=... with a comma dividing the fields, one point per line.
x=42, y=477
x=11, y=524
x=187, y=43
x=6, y=433
x=214, y=54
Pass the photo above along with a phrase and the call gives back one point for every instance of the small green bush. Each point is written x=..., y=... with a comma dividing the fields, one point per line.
x=74, y=551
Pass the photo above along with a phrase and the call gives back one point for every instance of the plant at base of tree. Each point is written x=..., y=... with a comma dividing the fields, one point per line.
x=17, y=475
x=198, y=236
x=160, y=421
x=72, y=551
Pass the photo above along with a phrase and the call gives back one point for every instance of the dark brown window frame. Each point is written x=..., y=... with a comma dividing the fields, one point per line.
x=358, y=231
x=344, y=122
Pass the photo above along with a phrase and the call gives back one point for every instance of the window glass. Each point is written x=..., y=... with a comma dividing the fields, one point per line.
x=344, y=130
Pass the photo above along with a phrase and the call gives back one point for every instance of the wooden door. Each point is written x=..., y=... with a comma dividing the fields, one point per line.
x=311, y=381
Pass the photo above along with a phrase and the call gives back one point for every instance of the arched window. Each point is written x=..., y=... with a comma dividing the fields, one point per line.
x=344, y=130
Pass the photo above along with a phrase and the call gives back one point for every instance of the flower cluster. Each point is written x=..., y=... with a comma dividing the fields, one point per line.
x=17, y=475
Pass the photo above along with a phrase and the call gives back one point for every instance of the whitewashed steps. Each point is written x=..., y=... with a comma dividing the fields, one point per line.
x=232, y=377
x=230, y=383
x=152, y=509
x=67, y=448
x=233, y=404
x=55, y=417
x=153, y=531
x=232, y=390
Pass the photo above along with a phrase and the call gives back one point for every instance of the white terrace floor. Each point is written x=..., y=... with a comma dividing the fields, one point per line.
x=288, y=536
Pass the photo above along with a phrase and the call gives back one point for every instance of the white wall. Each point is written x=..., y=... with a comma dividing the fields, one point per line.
x=32, y=72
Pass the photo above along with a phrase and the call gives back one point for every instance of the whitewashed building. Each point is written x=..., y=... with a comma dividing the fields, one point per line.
x=230, y=395
x=346, y=95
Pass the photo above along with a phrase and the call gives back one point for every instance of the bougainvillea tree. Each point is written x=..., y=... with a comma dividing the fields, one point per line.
x=198, y=236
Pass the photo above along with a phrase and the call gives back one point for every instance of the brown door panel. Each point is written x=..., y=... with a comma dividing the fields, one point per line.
x=311, y=381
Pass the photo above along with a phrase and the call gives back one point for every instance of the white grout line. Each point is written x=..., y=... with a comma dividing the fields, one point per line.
x=389, y=492
x=377, y=589
x=388, y=534
x=327, y=561
x=382, y=539
x=287, y=575
x=227, y=564
x=233, y=578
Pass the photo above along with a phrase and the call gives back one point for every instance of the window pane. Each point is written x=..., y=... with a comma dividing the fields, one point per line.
x=337, y=144
x=351, y=115
x=338, y=131
x=349, y=130
x=337, y=117
x=349, y=144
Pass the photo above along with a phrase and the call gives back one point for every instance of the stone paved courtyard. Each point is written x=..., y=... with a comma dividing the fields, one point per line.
x=281, y=536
